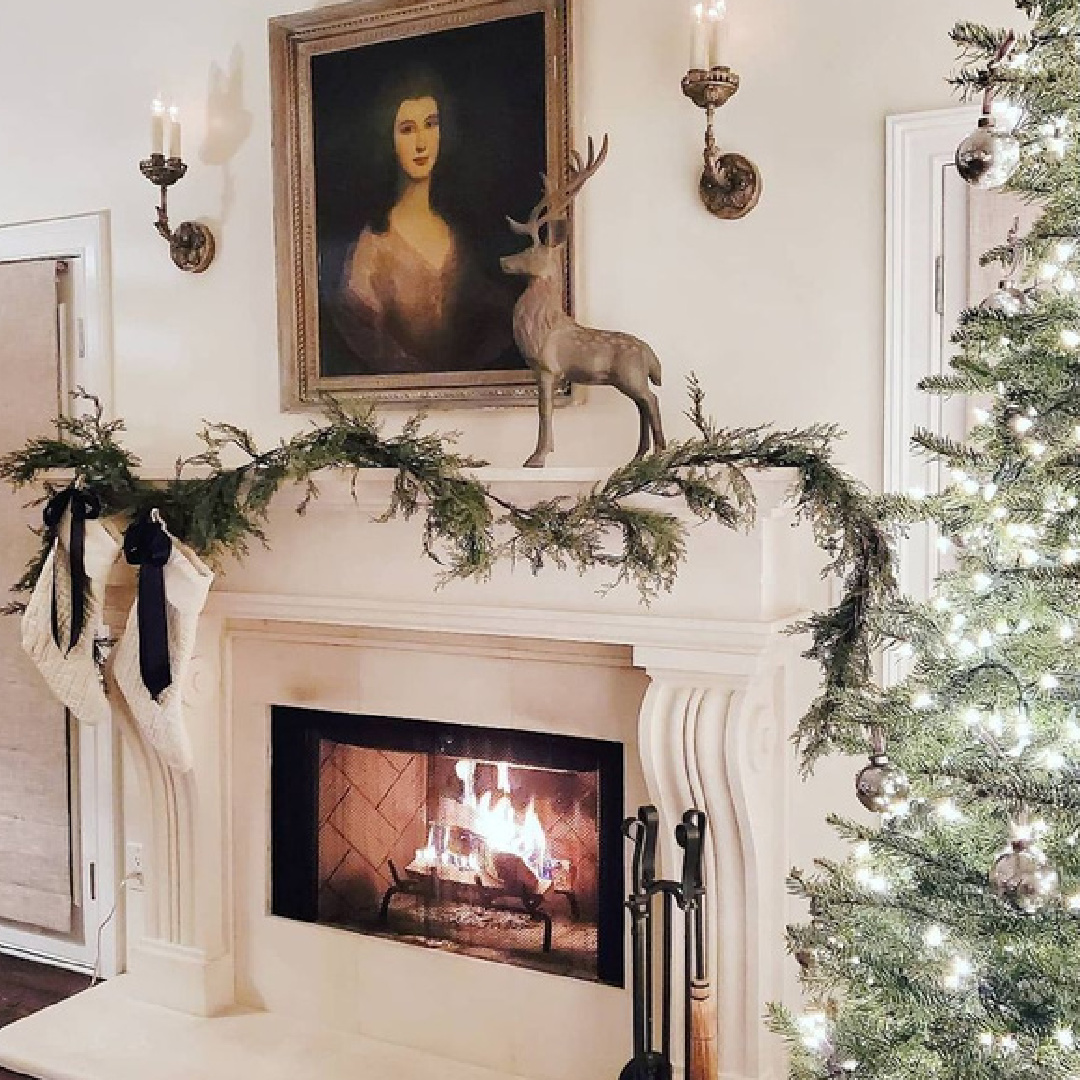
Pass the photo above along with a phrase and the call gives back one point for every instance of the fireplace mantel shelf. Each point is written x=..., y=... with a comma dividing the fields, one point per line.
x=370, y=489
x=734, y=590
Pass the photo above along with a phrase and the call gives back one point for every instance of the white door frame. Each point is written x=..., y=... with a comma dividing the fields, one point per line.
x=926, y=280
x=86, y=351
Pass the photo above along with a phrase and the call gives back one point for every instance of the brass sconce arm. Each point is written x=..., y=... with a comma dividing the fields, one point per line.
x=191, y=244
x=730, y=183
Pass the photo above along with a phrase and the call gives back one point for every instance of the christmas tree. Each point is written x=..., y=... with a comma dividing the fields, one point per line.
x=948, y=943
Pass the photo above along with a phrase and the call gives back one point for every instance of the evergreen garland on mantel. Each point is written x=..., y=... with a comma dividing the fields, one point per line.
x=467, y=528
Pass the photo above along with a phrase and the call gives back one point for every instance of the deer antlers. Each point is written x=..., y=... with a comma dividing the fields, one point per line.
x=558, y=197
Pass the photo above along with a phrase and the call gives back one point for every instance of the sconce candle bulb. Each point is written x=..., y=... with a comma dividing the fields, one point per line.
x=157, y=127
x=718, y=36
x=699, y=47
x=709, y=39
x=174, y=132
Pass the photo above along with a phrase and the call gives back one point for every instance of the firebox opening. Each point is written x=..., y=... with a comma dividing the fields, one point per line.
x=494, y=843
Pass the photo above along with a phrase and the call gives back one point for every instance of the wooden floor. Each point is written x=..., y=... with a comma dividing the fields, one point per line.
x=25, y=988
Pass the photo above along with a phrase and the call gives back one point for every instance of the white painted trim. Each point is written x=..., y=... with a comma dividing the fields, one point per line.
x=245, y=612
x=101, y=817
x=919, y=148
x=43, y=958
x=83, y=239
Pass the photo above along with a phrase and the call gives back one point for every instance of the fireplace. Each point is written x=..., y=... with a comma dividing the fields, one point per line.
x=696, y=692
x=493, y=843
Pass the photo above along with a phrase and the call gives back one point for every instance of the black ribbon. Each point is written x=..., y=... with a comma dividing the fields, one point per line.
x=147, y=546
x=84, y=506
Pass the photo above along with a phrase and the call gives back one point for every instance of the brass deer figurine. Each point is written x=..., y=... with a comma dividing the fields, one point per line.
x=560, y=350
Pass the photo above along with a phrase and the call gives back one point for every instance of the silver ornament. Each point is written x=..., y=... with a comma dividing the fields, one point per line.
x=1024, y=877
x=880, y=786
x=1008, y=300
x=987, y=158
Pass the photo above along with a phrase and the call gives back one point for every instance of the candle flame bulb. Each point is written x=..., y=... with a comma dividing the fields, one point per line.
x=157, y=126
x=717, y=33
x=174, y=132
x=699, y=51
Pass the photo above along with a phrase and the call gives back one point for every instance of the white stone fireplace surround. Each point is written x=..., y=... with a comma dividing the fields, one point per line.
x=344, y=615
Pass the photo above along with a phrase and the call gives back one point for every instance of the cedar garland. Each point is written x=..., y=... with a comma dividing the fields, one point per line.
x=219, y=510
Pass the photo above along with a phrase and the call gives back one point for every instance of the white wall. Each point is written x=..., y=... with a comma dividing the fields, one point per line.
x=781, y=314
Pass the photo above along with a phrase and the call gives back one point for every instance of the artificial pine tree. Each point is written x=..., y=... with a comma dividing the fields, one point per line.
x=948, y=944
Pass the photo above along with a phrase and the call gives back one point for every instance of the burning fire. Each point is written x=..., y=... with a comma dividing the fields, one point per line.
x=490, y=817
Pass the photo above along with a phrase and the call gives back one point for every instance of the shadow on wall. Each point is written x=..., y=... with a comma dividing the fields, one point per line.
x=228, y=125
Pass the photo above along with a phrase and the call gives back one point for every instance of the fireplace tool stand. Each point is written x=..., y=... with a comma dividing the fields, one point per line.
x=650, y=1062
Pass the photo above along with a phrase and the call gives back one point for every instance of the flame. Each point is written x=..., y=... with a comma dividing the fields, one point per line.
x=493, y=819
x=535, y=842
x=498, y=825
x=466, y=773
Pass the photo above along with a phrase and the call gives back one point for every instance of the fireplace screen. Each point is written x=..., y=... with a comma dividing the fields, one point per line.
x=498, y=844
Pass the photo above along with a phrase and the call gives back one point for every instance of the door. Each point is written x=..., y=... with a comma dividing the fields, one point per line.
x=51, y=887
x=35, y=811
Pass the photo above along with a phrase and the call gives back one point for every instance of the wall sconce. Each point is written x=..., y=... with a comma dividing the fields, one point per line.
x=191, y=244
x=731, y=184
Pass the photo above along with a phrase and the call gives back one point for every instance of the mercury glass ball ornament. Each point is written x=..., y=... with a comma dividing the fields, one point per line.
x=880, y=786
x=1008, y=300
x=1024, y=877
x=988, y=157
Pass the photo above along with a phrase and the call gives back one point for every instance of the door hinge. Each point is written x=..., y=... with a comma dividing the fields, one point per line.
x=939, y=285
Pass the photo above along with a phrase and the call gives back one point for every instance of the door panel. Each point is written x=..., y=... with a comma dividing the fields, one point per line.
x=35, y=810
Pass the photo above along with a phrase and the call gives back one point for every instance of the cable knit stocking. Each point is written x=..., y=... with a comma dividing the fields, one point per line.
x=71, y=672
x=187, y=583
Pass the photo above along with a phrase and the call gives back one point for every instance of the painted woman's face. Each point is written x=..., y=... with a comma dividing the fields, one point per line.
x=416, y=136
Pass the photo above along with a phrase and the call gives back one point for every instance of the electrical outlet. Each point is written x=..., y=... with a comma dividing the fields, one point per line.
x=133, y=866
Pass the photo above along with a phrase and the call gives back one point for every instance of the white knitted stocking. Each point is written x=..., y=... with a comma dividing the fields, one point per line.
x=187, y=583
x=71, y=674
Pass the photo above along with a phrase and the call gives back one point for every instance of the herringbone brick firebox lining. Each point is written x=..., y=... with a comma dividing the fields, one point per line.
x=375, y=806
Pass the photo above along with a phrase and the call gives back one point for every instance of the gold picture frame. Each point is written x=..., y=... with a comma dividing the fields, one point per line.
x=324, y=65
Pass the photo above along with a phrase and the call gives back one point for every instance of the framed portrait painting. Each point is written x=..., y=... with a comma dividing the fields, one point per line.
x=405, y=135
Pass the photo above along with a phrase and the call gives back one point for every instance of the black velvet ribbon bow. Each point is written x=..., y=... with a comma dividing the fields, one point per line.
x=147, y=546
x=84, y=506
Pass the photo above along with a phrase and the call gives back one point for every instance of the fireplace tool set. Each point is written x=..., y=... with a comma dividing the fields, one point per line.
x=688, y=896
